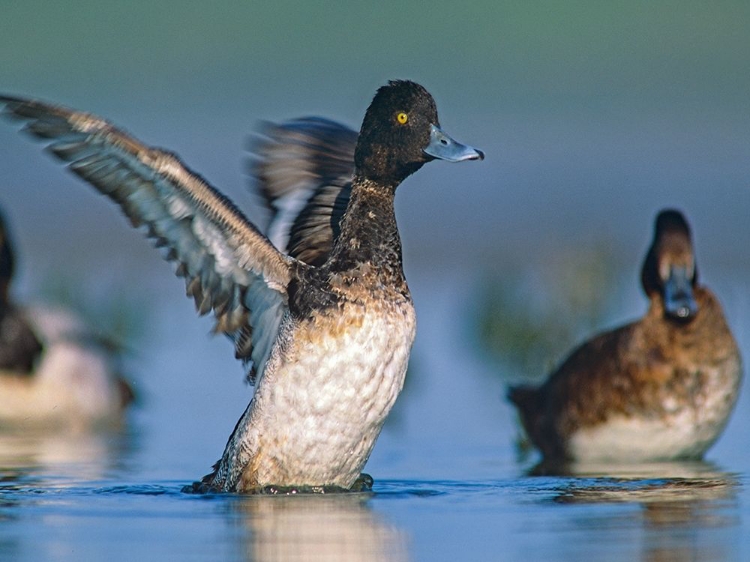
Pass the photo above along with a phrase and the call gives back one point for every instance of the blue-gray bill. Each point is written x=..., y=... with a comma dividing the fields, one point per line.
x=442, y=146
x=679, y=302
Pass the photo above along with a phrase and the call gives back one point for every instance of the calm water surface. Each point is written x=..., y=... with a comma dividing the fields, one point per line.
x=680, y=512
x=449, y=484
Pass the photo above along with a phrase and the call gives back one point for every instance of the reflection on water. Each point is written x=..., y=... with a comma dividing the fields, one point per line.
x=681, y=505
x=319, y=527
x=632, y=471
x=51, y=458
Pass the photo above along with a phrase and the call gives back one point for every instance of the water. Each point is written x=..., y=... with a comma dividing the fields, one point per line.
x=695, y=513
x=449, y=484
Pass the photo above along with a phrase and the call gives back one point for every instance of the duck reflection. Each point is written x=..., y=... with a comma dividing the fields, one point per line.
x=319, y=527
x=41, y=457
x=683, y=505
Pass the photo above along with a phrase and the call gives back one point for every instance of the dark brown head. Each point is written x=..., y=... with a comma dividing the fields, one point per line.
x=669, y=269
x=401, y=132
x=6, y=262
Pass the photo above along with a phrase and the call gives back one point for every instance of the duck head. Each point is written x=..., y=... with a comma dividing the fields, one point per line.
x=401, y=132
x=6, y=262
x=670, y=268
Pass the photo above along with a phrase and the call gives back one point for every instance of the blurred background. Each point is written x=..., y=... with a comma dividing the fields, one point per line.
x=593, y=117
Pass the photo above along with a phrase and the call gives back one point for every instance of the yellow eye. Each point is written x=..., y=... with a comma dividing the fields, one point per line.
x=402, y=118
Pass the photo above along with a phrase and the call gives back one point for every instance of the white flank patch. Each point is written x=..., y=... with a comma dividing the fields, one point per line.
x=686, y=431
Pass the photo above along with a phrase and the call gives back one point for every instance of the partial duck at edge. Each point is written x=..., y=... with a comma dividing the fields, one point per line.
x=55, y=370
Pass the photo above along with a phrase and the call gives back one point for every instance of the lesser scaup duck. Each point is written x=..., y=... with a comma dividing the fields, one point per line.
x=660, y=388
x=329, y=344
x=54, y=371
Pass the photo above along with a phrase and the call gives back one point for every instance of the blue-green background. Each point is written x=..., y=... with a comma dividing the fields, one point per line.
x=593, y=116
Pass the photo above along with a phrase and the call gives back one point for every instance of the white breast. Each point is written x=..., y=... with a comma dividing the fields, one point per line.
x=324, y=397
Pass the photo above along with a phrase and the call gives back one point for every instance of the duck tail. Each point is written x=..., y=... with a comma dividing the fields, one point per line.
x=523, y=397
x=527, y=401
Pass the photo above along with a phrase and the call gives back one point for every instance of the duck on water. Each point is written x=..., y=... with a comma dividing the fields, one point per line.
x=657, y=389
x=56, y=372
x=328, y=344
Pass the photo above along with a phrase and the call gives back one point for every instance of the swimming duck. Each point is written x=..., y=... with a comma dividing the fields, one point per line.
x=329, y=344
x=660, y=388
x=53, y=370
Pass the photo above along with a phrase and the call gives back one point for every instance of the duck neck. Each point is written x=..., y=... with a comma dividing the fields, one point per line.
x=369, y=234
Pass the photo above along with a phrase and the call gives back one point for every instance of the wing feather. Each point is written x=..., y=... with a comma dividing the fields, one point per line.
x=303, y=170
x=229, y=267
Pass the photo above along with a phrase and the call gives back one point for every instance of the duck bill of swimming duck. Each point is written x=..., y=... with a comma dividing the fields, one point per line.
x=444, y=147
x=679, y=301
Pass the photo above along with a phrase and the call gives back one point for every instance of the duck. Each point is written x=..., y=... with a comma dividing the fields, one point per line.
x=55, y=370
x=326, y=345
x=660, y=388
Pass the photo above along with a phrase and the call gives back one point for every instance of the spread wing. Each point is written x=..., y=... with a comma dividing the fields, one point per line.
x=229, y=267
x=303, y=170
